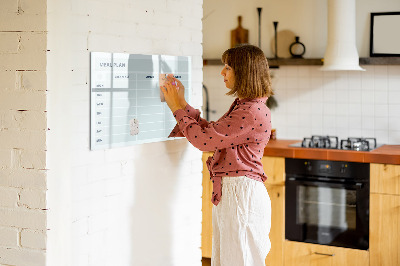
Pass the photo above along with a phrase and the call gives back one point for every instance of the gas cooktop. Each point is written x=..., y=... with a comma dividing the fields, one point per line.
x=332, y=142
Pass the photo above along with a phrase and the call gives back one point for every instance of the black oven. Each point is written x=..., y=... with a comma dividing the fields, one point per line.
x=327, y=202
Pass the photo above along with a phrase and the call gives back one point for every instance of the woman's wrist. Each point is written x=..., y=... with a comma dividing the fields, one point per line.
x=177, y=108
x=183, y=104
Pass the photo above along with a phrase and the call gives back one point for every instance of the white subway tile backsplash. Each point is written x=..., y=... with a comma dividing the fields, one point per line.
x=355, y=122
x=342, y=109
x=394, y=97
x=355, y=132
x=355, y=96
x=381, y=97
x=329, y=123
x=380, y=71
x=368, y=122
x=304, y=72
x=367, y=110
x=316, y=82
x=291, y=71
x=394, y=137
x=342, y=96
x=317, y=131
x=315, y=71
x=394, y=123
x=394, y=110
x=342, y=133
x=393, y=71
x=304, y=82
x=304, y=109
x=347, y=103
x=328, y=74
x=381, y=122
x=382, y=136
x=354, y=80
x=342, y=81
x=367, y=133
x=329, y=93
x=329, y=109
x=382, y=110
x=381, y=84
x=342, y=122
x=394, y=82
x=292, y=83
x=367, y=96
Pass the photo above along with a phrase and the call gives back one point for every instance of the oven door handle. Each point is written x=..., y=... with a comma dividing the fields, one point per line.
x=357, y=185
x=324, y=254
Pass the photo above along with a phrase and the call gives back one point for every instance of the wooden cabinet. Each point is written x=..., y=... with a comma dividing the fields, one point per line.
x=385, y=178
x=385, y=230
x=304, y=254
x=385, y=215
x=206, y=226
x=384, y=222
x=274, y=168
x=277, y=233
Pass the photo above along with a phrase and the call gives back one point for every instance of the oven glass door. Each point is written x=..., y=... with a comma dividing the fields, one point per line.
x=326, y=213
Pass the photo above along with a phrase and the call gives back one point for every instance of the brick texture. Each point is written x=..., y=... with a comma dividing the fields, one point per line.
x=23, y=126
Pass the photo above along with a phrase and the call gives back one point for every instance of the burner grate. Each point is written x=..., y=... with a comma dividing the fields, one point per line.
x=327, y=142
x=358, y=144
x=332, y=142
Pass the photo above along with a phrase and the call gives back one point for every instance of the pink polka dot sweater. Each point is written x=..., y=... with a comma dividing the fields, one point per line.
x=238, y=139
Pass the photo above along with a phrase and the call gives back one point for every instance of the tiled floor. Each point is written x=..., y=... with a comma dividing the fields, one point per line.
x=206, y=261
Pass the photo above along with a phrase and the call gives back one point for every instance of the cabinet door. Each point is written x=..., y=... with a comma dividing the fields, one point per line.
x=277, y=233
x=304, y=254
x=206, y=226
x=274, y=168
x=384, y=230
x=385, y=178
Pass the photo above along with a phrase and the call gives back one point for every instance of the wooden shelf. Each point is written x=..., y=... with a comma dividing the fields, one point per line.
x=380, y=61
x=273, y=63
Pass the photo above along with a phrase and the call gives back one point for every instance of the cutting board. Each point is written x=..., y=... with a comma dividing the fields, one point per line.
x=239, y=35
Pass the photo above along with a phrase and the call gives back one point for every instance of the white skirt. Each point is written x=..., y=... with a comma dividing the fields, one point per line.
x=241, y=223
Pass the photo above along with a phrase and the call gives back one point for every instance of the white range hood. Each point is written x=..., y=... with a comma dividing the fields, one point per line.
x=341, y=51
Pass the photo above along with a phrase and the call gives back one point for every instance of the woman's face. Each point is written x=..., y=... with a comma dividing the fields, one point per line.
x=229, y=76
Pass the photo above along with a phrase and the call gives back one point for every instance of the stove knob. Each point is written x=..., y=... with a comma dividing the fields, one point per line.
x=343, y=168
x=308, y=166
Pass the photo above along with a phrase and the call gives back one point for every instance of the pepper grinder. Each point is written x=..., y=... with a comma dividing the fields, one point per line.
x=276, y=38
x=259, y=26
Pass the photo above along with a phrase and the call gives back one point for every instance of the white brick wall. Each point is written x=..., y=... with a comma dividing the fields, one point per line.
x=138, y=205
x=23, y=132
x=98, y=204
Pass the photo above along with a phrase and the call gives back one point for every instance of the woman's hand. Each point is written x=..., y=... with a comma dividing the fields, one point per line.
x=181, y=91
x=172, y=94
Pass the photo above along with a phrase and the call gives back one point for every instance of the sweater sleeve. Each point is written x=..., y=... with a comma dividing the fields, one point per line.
x=231, y=130
x=193, y=113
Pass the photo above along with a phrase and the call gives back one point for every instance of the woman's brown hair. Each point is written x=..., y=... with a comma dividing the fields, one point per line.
x=250, y=66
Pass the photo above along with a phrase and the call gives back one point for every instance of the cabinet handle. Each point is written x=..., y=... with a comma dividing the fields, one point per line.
x=324, y=254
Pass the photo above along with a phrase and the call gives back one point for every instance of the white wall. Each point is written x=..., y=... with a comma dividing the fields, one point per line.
x=311, y=102
x=138, y=205
x=306, y=19
x=23, y=133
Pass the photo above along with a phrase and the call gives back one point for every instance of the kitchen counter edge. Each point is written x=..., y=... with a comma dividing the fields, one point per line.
x=386, y=154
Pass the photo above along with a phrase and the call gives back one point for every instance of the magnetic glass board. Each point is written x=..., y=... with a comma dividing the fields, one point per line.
x=127, y=105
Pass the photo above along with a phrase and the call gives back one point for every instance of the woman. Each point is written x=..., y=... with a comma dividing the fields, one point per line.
x=242, y=208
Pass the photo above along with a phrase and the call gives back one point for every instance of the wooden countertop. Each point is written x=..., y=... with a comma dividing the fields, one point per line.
x=389, y=154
